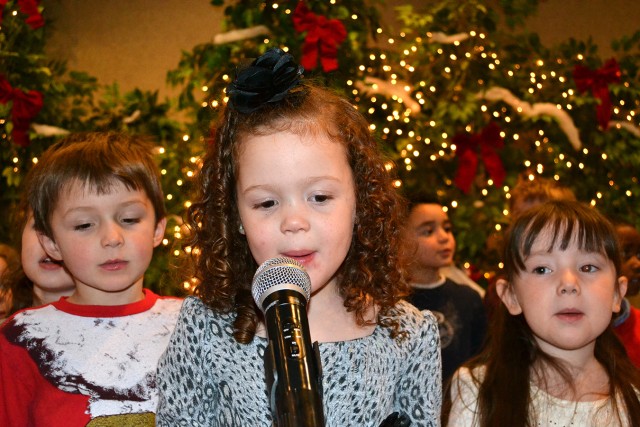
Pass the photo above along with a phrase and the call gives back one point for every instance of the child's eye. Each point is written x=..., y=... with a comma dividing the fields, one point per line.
x=267, y=204
x=131, y=220
x=320, y=198
x=426, y=232
x=82, y=227
x=589, y=268
x=540, y=270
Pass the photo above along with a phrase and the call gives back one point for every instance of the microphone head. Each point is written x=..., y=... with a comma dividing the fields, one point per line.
x=279, y=273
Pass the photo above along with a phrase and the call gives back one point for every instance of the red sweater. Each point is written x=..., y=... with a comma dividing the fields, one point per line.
x=65, y=364
x=629, y=333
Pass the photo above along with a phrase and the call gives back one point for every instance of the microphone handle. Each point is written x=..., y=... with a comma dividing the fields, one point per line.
x=292, y=363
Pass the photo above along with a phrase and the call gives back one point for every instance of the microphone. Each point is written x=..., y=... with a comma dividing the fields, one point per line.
x=281, y=288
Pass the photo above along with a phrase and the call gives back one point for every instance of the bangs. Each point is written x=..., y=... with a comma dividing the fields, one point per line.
x=564, y=223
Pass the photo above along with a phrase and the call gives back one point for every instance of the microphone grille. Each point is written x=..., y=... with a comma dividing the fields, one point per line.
x=279, y=271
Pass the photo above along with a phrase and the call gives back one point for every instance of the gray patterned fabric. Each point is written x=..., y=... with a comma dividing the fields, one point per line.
x=207, y=379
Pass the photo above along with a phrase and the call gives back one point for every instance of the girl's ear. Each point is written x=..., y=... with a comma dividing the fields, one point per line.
x=508, y=297
x=49, y=246
x=158, y=234
x=619, y=293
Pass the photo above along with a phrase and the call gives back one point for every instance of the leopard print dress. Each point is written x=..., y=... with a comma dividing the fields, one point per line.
x=206, y=378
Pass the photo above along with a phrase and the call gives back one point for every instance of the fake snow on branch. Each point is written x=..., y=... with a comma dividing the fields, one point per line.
x=399, y=91
x=626, y=126
x=439, y=37
x=539, y=108
x=237, y=35
x=47, y=130
x=132, y=118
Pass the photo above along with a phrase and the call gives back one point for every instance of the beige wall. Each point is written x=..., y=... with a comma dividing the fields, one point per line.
x=132, y=42
x=603, y=20
x=135, y=42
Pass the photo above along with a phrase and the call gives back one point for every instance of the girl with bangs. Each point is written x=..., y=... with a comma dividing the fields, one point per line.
x=551, y=357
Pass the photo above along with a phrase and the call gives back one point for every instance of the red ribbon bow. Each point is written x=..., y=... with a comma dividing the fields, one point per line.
x=25, y=107
x=323, y=37
x=489, y=141
x=29, y=8
x=598, y=81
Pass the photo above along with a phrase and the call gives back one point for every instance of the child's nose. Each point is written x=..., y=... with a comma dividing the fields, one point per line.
x=569, y=283
x=111, y=236
x=443, y=235
x=294, y=219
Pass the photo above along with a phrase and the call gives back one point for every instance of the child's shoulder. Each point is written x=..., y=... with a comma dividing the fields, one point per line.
x=168, y=304
x=468, y=375
x=194, y=310
x=413, y=322
x=194, y=305
x=460, y=290
x=198, y=324
x=41, y=312
x=408, y=313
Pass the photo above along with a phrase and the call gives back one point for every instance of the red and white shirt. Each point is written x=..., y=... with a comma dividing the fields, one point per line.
x=65, y=364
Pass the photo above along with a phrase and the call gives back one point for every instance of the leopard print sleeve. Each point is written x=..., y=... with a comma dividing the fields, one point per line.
x=419, y=392
x=181, y=380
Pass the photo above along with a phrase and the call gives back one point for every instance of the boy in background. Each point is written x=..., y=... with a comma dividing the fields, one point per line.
x=91, y=357
x=458, y=308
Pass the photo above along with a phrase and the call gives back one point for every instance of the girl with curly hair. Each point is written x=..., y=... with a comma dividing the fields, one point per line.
x=294, y=172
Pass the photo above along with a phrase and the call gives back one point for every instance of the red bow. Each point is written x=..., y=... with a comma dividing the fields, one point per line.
x=598, y=81
x=489, y=141
x=323, y=37
x=25, y=107
x=29, y=8
x=3, y=4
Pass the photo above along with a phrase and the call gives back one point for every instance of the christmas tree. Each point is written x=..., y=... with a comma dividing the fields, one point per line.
x=462, y=99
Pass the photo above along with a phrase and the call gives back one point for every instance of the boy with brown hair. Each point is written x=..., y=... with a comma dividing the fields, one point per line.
x=458, y=308
x=91, y=357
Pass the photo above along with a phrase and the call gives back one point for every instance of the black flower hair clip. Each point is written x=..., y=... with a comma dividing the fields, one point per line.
x=268, y=79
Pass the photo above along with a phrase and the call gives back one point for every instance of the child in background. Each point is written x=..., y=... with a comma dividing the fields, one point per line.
x=528, y=193
x=458, y=308
x=37, y=279
x=551, y=357
x=8, y=257
x=50, y=281
x=92, y=357
x=8, y=260
x=295, y=172
x=627, y=322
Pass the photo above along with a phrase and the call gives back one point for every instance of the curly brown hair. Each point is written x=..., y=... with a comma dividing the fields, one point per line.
x=371, y=273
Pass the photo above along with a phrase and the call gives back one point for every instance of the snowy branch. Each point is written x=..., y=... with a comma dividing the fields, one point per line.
x=539, y=108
